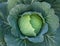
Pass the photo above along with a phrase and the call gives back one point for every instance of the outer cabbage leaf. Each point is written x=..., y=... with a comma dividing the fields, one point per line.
x=13, y=41
x=3, y=9
x=2, y=1
x=2, y=31
x=53, y=20
x=57, y=37
x=56, y=6
x=2, y=41
x=11, y=3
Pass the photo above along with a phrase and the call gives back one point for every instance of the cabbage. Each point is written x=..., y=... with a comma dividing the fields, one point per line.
x=28, y=23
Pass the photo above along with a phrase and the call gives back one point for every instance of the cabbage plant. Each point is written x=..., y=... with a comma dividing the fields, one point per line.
x=28, y=23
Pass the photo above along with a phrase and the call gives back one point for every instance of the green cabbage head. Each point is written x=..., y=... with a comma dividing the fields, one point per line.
x=30, y=24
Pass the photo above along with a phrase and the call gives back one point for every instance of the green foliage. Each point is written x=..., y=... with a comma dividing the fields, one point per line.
x=52, y=21
x=2, y=31
x=3, y=1
x=11, y=3
x=11, y=11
